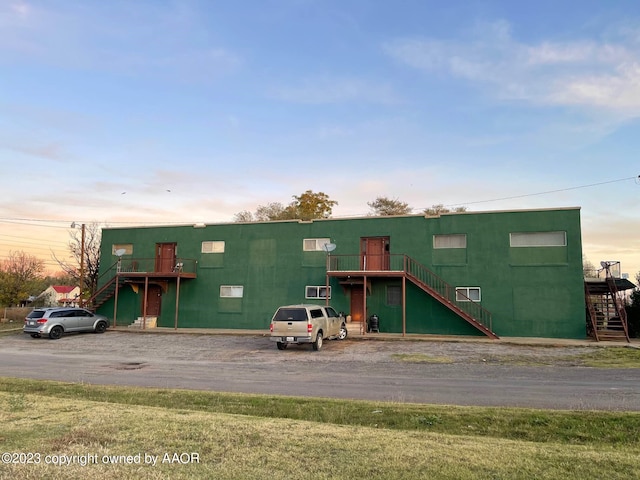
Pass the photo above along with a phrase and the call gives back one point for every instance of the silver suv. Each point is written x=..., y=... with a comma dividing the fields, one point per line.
x=55, y=322
x=306, y=324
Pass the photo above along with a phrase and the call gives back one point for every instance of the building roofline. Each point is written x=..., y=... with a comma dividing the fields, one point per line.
x=346, y=218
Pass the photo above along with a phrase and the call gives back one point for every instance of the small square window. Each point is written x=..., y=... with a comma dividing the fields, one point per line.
x=468, y=294
x=316, y=292
x=394, y=295
x=315, y=244
x=213, y=246
x=458, y=240
x=122, y=249
x=231, y=291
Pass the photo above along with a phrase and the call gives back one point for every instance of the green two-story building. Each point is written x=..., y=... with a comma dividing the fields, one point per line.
x=500, y=273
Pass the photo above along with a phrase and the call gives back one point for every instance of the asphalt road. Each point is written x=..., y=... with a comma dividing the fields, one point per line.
x=468, y=374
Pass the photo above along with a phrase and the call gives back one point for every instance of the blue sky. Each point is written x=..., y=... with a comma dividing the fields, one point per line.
x=201, y=109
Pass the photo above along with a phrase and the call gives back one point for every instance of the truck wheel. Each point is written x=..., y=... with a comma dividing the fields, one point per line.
x=343, y=332
x=281, y=345
x=317, y=345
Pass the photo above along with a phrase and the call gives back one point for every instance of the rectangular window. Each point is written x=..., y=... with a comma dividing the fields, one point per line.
x=119, y=247
x=231, y=291
x=458, y=240
x=315, y=244
x=213, y=246
x=538, y=239
x=316, y=292
x=394, y=295
x=467, y=294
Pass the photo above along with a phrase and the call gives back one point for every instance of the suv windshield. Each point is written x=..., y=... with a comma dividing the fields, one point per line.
x=36, y=314
x=291, y=314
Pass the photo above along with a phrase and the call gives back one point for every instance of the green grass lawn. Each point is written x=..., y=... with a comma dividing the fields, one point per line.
x=117, y=432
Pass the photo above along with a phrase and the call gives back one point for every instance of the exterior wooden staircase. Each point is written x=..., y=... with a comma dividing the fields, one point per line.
x=447, y=295
x=137, y=270
x=607, y=314
x=404, y=266
x=105, y=292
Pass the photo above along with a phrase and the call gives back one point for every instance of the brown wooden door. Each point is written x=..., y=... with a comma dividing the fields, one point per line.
x=357, y=303
x=374, y=253
x=154, y=301
x=165, y=257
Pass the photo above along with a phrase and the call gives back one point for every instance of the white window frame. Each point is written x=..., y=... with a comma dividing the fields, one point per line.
x=439, y=239
x=309, y=292
x=231, y=291
x=127, y=247
x=212, y=246
x=314, y=244
x=536, y=239
x=466, y=294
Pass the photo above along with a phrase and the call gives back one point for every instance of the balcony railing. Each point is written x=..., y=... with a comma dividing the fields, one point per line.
x=372, y=263
x=152, y=266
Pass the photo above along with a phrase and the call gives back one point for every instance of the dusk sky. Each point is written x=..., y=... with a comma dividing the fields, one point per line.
x=142, y=112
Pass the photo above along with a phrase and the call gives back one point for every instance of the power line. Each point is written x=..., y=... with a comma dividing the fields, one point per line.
x=23, y=221
x=637, y=179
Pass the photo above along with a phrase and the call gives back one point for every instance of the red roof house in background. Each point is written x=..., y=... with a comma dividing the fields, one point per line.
x=60, y=296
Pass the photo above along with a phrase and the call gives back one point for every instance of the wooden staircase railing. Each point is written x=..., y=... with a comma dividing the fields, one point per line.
x=419, y=275
x=607, y=314
x=448, y=296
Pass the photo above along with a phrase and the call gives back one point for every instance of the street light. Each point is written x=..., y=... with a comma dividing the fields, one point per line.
x=73, y=225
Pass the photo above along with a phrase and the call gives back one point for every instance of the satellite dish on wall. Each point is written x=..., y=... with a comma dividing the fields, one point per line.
x=120, y=252
x=329, y=247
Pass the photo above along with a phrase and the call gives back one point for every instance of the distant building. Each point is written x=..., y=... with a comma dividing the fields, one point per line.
x=60, y=296
x=499, y=273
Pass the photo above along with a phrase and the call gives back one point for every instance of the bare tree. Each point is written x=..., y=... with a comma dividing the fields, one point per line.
x=588, y=268
x=20, y=275
x=271, y=211
x=385, y=206
x=243, y=217
x=92, y=238
x=438, y=209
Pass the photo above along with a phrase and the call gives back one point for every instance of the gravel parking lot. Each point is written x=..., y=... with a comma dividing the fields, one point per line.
x=259, y=348
x=440, y=372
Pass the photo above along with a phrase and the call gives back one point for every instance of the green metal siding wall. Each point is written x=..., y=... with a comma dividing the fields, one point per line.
x=531, y=291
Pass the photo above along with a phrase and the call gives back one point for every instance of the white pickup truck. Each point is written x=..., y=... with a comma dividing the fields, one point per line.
x=306, y=324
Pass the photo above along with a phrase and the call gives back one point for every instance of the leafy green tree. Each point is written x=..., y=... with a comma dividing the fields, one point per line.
x=306, y=206
x=21, y=275
x=311, y=205
x=385, y=206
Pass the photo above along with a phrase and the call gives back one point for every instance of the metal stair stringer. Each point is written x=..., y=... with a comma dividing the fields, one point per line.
x=421, y=276
x=105, y=292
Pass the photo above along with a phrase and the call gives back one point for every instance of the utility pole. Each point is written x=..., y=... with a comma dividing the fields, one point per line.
x=82, y=264
x=73, y=225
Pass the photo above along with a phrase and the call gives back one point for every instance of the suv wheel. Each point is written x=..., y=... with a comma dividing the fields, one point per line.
x=317, y=345
x=281, y=345
x=56, y=332
x=101, y=327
